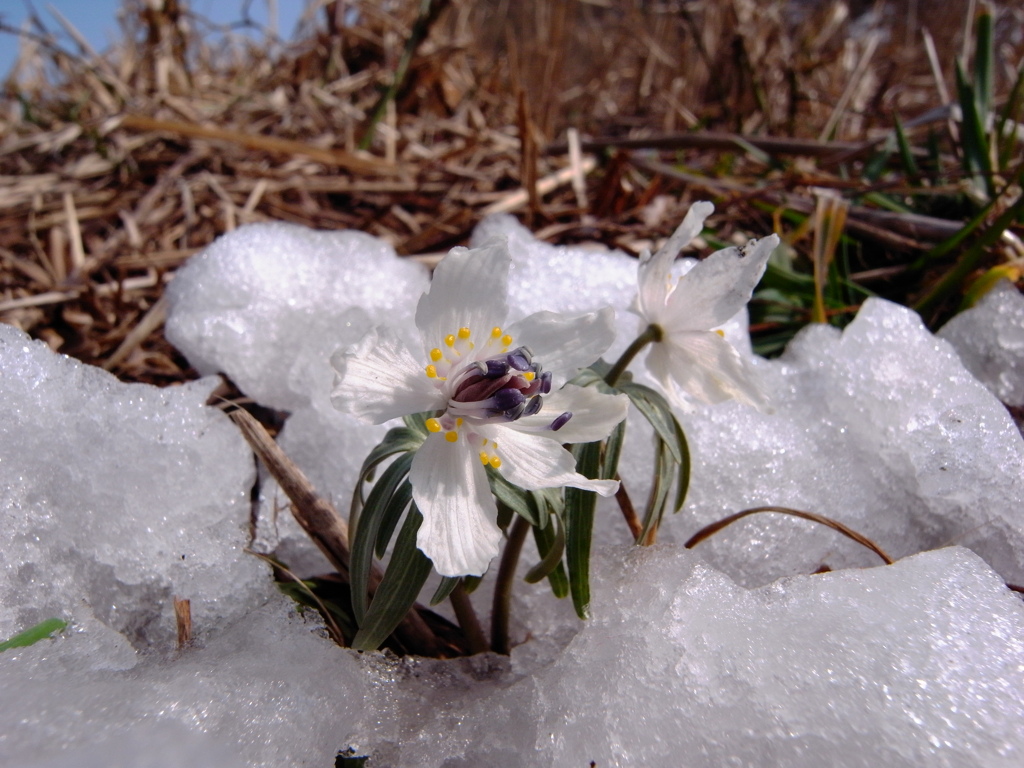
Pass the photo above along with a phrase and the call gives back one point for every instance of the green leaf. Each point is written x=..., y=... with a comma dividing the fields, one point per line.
x=445, y=588
x=397, y=440
x=906, y=152
x=365, y=537
x=658, y=413
x=661, y=484
x=406, y=573
x=392, y=514
x=33, y=635
x=1007, y=133
x=973, y=139
x=683, y=480
x=579, y=526
x=551, y=545
x=613, y=451
x=513, y=497
x=417, y=422
x=984, y=62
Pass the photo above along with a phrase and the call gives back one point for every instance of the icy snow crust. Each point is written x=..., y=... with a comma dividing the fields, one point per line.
x=717, y=656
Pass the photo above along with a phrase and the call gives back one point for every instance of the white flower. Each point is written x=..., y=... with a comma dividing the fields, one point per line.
x=494, y=403
x=691, y=355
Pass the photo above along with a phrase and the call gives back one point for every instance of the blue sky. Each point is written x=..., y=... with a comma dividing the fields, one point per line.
x=97, y=19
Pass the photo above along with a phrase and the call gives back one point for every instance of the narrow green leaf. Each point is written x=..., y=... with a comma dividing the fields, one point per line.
x=1007, y=135
x=444, y=589
x=967, y=261
x=417, y=422
x=661, y=484
x=392, y=514
x=33, y=635
x=973, y=139
x=512, y=496
x=984, y=62
x=906, y=153
x=613, y=451
x=657, y=411
x=395, y=441
x=406, y=573
x=546, y=538
x=551, y=500
x=470, y=583
x=579, y=526
x=366, y=534
x=551, y=554
x=683, y=480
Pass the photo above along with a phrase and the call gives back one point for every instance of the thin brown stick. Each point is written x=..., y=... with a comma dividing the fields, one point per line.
x=322, y=523
x=713, y=528
x=636, y=528
x=183, y=618
x=270, y=144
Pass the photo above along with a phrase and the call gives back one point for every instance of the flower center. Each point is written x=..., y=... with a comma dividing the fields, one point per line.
x=495, y=383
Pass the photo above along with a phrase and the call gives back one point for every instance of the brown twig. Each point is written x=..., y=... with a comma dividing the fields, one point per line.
x=713, y=528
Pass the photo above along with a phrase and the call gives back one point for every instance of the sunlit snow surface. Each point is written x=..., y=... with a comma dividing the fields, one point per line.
x=724, y=655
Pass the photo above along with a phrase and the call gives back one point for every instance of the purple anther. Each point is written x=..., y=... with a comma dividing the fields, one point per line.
x=514, y=413
x=545, y=382
x=495, y=368
x=561, y=421
x=519, y=359
x=507, y=399
x=533, y=406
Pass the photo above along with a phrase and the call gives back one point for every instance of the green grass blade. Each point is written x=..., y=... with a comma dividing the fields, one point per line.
x=33, y=635
x=984, y=62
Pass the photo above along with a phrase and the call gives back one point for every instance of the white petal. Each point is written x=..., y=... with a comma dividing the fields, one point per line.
x=379, y=379
x=534, y=462
x=708, y=368
x=469, y=290
x=717, y=288
x=563, y=344
x=654, y=272
x=459, y=534
x=594, y=415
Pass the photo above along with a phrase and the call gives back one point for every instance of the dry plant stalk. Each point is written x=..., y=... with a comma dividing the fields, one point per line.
x=322, y=523
x=183, y=618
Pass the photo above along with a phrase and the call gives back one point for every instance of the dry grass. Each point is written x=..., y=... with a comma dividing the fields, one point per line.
x=116, y=167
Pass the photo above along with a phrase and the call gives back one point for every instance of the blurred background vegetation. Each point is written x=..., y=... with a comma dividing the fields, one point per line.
x=881, y=140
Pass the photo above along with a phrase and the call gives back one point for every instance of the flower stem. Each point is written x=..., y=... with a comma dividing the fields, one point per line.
x=628, y=511
x=467, y=619
x=503, y=585
x=652, y=333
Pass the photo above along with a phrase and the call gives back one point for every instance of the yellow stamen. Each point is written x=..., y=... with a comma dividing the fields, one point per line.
x=451, y=436
x=458, y=422
x=529, y=375
x=449, y=340
x=506, y=340
x=495, y=332
x=431, y=372
x=720, y=332
x=484, y=458
x=495, y=462
x=464, y=333
x=433, y=425
x=435, y=354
